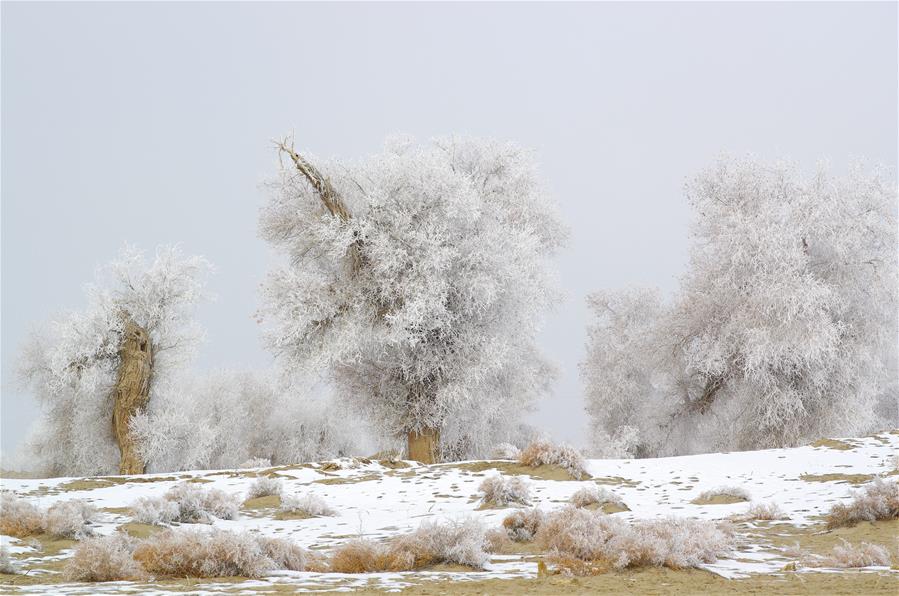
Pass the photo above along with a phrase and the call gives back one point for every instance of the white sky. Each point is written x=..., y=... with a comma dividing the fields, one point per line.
x=151, y=123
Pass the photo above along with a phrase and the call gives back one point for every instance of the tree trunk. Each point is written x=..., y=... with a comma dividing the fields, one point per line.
x=132, y=392
x=423, y=446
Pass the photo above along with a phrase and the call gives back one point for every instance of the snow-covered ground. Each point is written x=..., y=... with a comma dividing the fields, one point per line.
x=378, y=501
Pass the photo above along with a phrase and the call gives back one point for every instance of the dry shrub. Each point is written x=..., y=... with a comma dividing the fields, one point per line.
x=568, y=565
x=496, y=540
x=104, y=559
x=500, y=491
x=506, y=451
x=185, y=503
x=217, y=553
x=6, y=564
x=542, y=452
x=608, y=542
x=594, y=495
x=846, y=555
x=432, y=543
x=878, y=501
x=312, y=505
x=736, y=493
x=265, y=486
x=19, y=518
x=71, y=519
x=762, y=512
x=522, y=525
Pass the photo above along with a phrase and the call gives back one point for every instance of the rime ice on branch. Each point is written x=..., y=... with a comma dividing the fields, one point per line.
x=416, y=278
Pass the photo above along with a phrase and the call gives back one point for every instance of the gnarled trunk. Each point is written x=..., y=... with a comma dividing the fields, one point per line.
x=423, y=446
x=132, y=392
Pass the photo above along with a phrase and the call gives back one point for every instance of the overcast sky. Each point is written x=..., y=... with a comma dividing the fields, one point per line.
x=151, y=123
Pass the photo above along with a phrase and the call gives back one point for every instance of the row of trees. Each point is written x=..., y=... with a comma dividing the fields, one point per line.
x=415, y=282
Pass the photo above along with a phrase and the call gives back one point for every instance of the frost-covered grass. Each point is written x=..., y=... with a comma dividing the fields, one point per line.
x=542, y=452
x=460, y=542
x=104, y=559
x=762, y=512
x=879, y=500
x=70, y=519
x=723, y=494
x=846, y=556
x=500, y=491
x=311, y=505
x=594, y=495
x=265, y=486
x=605, y=542
x=186, y=503
x=6, y=564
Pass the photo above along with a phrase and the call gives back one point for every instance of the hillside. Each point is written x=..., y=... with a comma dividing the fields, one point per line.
x=380, y=499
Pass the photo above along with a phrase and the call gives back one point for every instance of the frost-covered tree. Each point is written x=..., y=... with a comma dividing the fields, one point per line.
x=784, y=328
x=93, y=370
x=416, y=280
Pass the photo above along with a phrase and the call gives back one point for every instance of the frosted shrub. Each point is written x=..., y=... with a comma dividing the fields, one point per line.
x=506, y=451
x=607, y=542
x=18, y=517
x=762, y=512
x=6, y=564
x=522, y=525
x=594, y=495
x=879, y=500
x=265, y=486
x=846, y=555
x=216, y=553
x=71, y=519
x=543, y=452
x=186, y=503
x=255, y=462
x=311, y=505
x=726, y=493
x=499, y=491
x=104, y=559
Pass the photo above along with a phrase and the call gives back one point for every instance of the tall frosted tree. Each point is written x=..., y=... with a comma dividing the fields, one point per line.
x=785, y=325
x=415, y=280
x=93, y=371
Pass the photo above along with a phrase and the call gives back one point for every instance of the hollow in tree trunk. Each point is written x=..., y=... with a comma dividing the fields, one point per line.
x=423, y=445
x=132, y=392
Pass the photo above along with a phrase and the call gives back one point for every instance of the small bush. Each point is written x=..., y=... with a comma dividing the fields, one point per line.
x=846, y=555
x=71, y=519
x=499, y=491
x=311, y=505
x=104, y=559
x=594, y=495
x=219, y=553
x=6, y=564
x=265, y=486
x=522, y=525
x=762, y=512
x=496, y=540
x=878, y=501
x=186, y=503
x=506, y=451
x=20, y=518
x=606, y=542
x=432, y=543
x=542, y=452
x=723, y=494
x=255, y=462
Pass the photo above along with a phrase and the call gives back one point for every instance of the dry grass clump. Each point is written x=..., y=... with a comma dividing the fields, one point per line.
x=19, y=518
x=65, y=519
x=265, y=486
x=6, y=565
x=311, y=505
x=71, y=519
x=846, y=556
x=594, y=495
x=878, y=501
x=432, y=543
x=722, y=495
x=522, y=525
x=506, y=451
x=500, y=491
x=219, y=553
x=542, y=452
x=762, y=512
x=604, y=542
x=186, y=503
x=104, y=559
x=496, y=540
